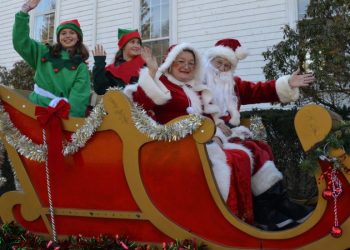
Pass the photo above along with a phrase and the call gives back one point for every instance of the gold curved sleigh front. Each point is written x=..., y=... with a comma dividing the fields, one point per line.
x=122, y=182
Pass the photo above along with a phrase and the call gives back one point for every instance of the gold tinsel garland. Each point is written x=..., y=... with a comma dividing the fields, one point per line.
x=38, y=152
x=258, y=129
x=145, y=124
x=156, y=131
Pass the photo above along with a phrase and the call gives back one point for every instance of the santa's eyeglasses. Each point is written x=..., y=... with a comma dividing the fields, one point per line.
x=221, y=65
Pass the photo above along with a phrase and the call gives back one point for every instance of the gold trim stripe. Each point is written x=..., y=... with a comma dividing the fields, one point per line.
x=96, y=213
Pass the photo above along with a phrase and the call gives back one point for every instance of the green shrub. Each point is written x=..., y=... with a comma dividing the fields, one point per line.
x=19, y=77
x=287, y=150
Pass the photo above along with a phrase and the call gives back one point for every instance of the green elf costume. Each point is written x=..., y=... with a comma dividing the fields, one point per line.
x=56, y=77
x=121, y=72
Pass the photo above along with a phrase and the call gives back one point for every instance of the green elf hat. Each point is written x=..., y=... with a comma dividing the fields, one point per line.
x=70, y=24
x=125, y=35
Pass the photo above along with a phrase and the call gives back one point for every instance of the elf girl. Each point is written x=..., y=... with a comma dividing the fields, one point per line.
x=126, y=65
x=60, y=70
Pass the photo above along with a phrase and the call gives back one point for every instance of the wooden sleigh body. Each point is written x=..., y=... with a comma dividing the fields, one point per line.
x=123, y=182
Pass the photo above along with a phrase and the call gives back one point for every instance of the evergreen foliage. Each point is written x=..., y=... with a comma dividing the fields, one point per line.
x=287, y=150
x=19, y=77
x=321, y=44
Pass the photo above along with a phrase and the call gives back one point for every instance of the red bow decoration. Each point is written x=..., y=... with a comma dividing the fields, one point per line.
x=50, y=119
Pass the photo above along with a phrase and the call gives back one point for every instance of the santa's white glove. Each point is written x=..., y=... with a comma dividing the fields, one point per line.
x=241, y=132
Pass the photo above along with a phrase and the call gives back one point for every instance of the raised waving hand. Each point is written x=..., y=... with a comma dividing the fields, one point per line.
x=29, y=5
x=99, y=51
x=150, y=60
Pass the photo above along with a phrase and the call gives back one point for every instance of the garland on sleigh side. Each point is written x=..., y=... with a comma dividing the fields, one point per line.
x=156, y=131
x=38, y=152
x=145, y=124
x=13, y=236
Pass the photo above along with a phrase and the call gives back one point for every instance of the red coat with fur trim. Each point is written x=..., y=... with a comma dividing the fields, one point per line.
x=260, y=92
x=174, y=107
x=248, y=92
x=165, y=98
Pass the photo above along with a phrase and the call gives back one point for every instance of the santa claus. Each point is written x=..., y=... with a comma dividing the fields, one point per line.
x=273, y=210
x=175, y=89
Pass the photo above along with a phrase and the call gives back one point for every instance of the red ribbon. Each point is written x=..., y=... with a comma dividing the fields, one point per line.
x=50, y=119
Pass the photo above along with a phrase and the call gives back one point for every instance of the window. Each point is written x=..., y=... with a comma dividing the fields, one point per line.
x=154, y=22
x=302, y=7
x=44, y=21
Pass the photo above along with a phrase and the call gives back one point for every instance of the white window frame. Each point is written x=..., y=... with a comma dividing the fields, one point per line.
x=34, y=13
x=292, y=12
x=172, y=19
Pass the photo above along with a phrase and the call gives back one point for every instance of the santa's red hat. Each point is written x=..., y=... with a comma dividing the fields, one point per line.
x=229, y=49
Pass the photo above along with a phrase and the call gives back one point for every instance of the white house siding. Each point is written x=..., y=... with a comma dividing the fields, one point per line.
x=112, y=15
x=8, y=55
x=257, y=24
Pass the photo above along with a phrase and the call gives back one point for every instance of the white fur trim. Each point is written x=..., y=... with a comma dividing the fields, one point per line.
x=265, y=178
x=241, y=53
x=235, y=116
x=224, y=52
x=130, y=89
x=244, y=149
x=222, y=172
x=154, y=89
x=175, y=52
x=194, y=99
x=284, y=91
x=207, y=98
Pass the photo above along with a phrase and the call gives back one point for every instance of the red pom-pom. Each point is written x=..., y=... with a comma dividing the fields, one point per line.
x=336, y=232
x=73, y=67
x=327, y=194
x=43, y=59
x=56, y=70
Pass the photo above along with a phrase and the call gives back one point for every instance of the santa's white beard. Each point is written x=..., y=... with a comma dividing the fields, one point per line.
x=221, y=85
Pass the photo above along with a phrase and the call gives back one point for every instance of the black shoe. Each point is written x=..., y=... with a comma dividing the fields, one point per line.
x=274, y=221
x=278, y=194
x=298, y=213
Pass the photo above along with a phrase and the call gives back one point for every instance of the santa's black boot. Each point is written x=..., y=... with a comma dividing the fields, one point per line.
x=266, y=216
x=297, y=212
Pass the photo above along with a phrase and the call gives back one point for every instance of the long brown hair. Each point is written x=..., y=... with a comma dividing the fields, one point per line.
x=78, y=49
x=118, y=56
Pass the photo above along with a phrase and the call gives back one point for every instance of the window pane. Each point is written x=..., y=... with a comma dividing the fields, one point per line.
x=155, y=21
x=165, y=20
x=155, y=3
x=46, y=5
x=302, y=7
x=145, y=19
x=155, y=28
x=44, y=28
x=159, y=48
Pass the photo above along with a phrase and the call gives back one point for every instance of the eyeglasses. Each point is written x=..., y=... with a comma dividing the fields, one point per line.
x=220, y=64
x=182, y=63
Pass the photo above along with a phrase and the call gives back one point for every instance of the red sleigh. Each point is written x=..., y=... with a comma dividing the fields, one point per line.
x=123, y=182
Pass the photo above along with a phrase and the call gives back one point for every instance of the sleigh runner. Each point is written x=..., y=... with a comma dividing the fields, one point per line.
x=121, y=181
